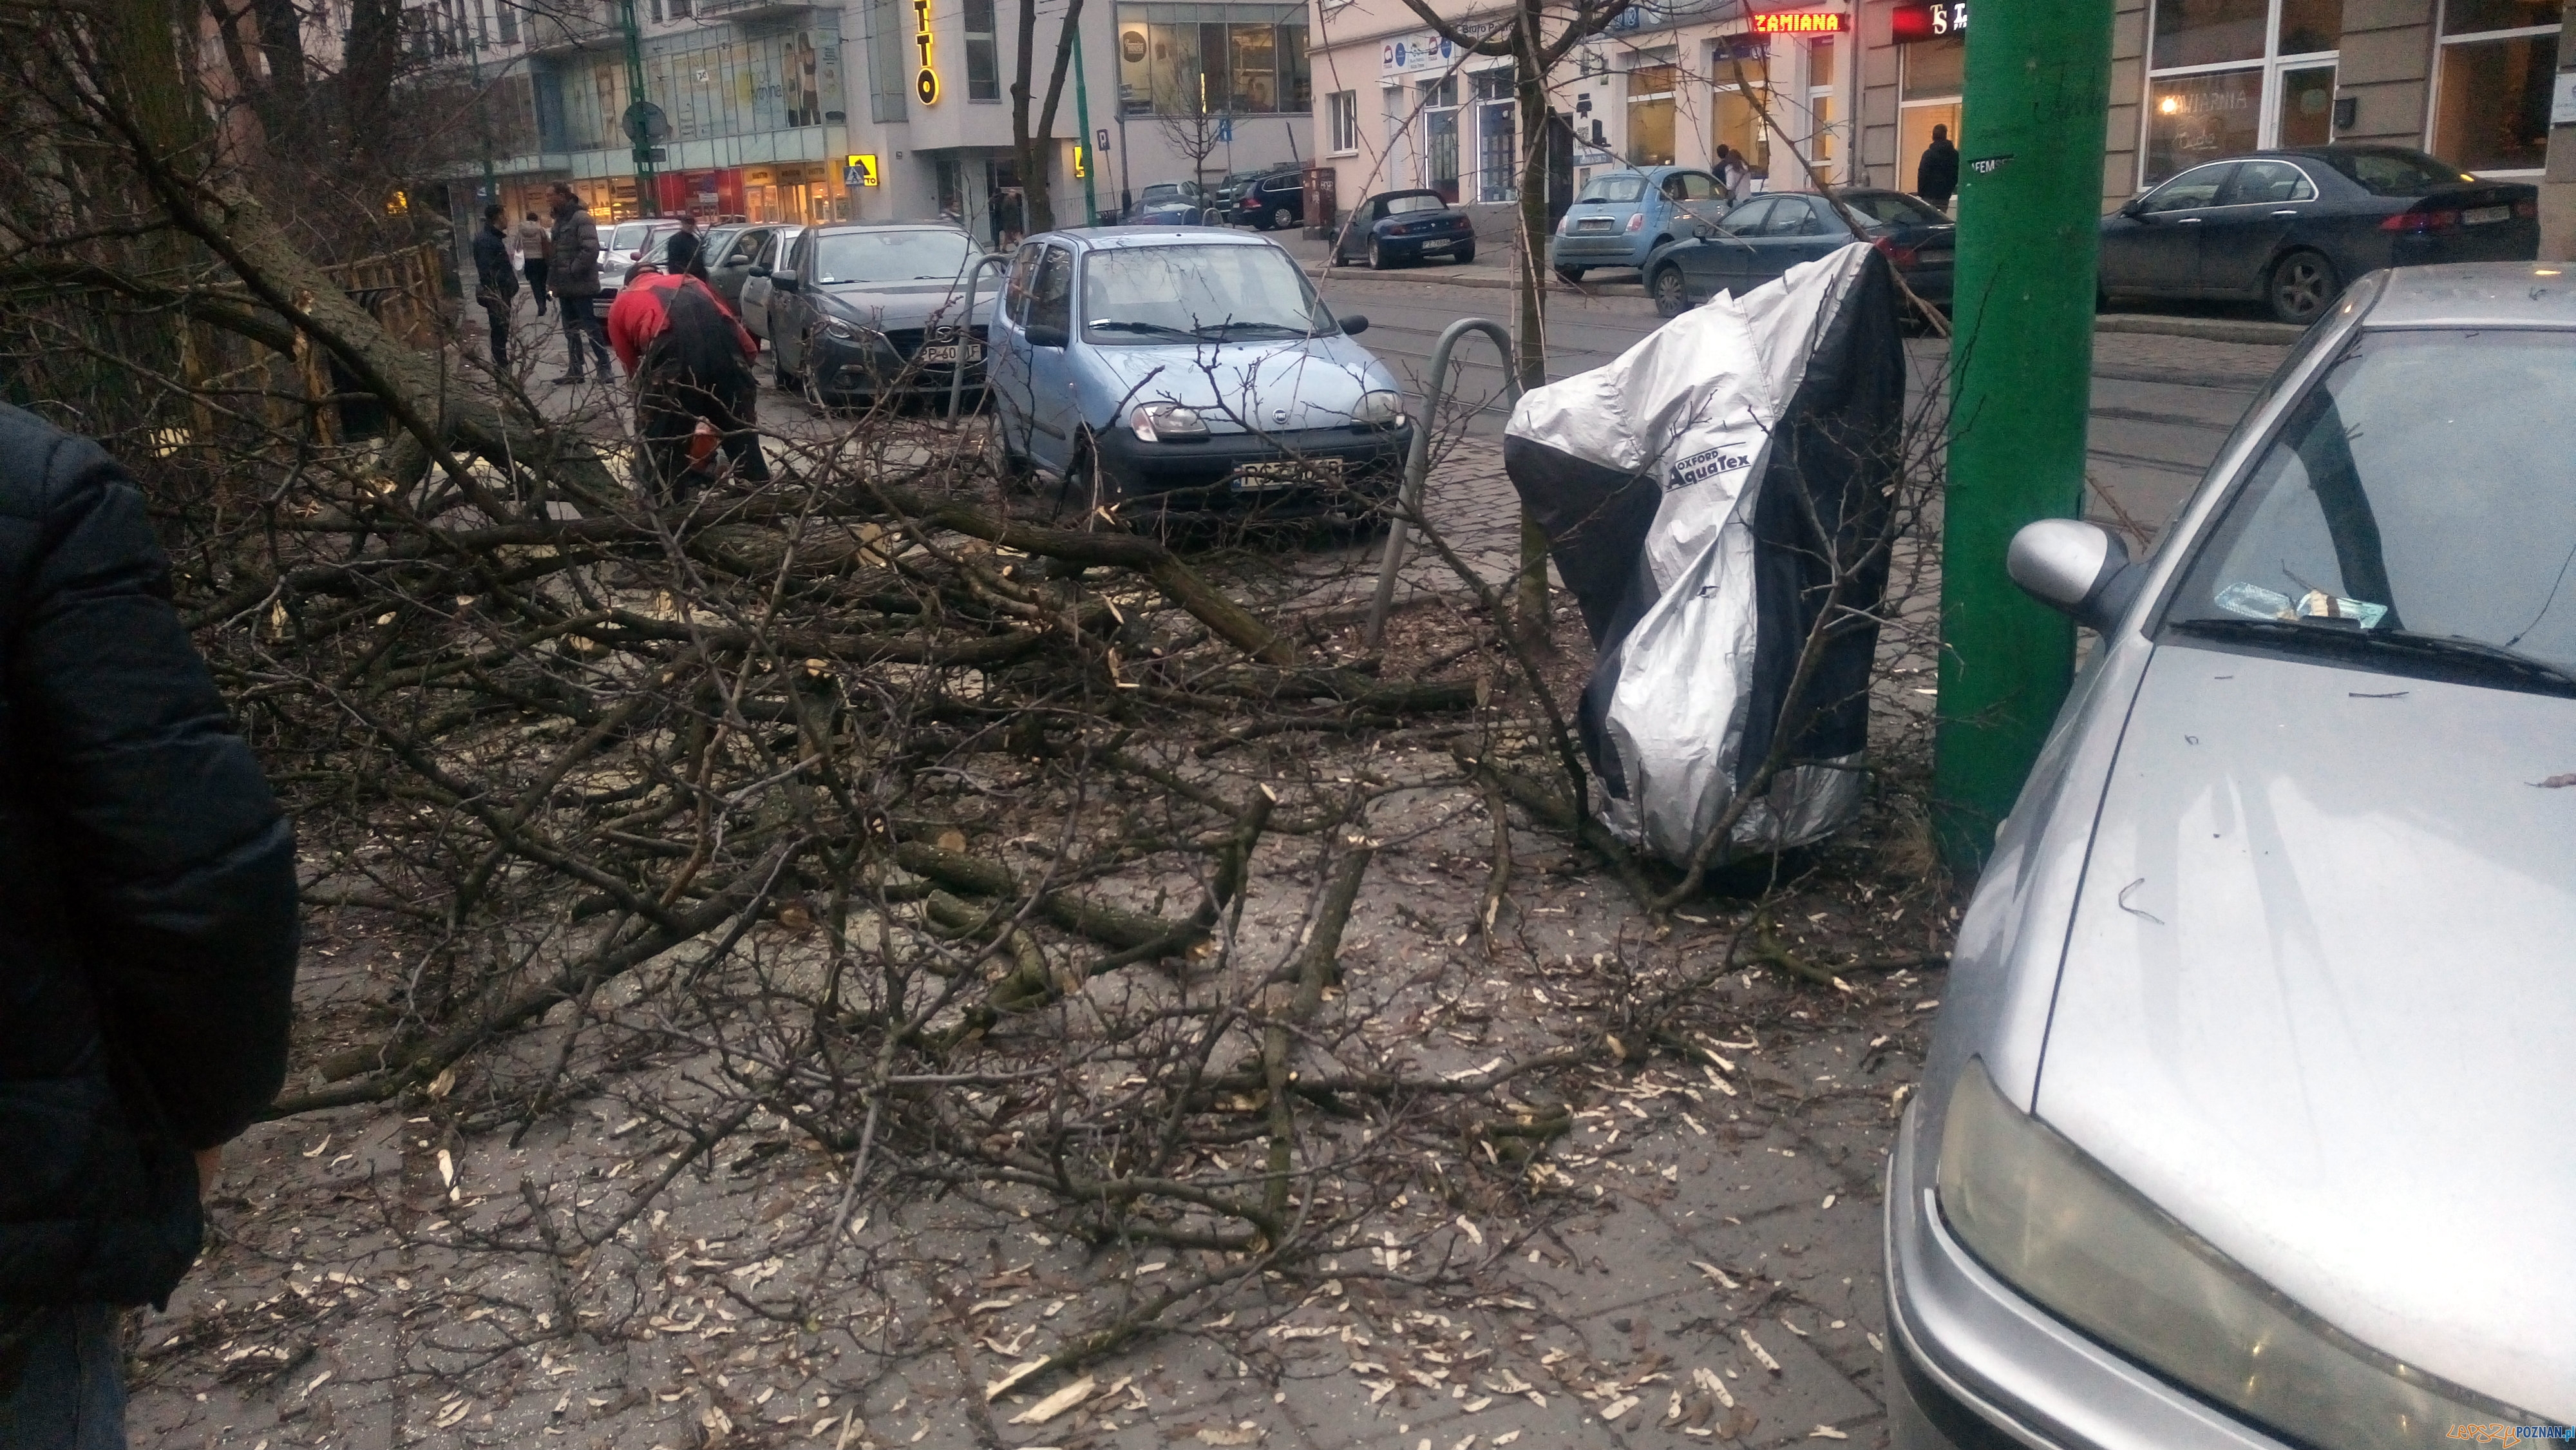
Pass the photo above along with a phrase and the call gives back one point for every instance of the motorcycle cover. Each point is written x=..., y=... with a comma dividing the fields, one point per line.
x=1708, y=497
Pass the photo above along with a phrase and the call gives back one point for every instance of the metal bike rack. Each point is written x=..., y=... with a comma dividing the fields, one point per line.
x=966, y=330
x=1417, y=463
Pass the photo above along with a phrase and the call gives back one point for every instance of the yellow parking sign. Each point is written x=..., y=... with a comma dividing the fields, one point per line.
x=859, y=171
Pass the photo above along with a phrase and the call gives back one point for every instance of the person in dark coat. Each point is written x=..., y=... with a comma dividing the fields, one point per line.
x=691, y=361
x=496, y=284
x=573, y=273
x=147, y=933
x=1936, y=176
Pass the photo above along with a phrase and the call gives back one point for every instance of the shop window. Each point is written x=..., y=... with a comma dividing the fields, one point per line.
x=1342, y=114
x=889, y=59
x=2191, y=119
x=1820, y=101
x=1497, y=114
x=1650, y=114
x=2262, y=74
x=1440, y=136
x=1741, y=72
x=2207, y=32
x=1182, y=59
x=509, y=19
x=2491, y=92
x=983, y=58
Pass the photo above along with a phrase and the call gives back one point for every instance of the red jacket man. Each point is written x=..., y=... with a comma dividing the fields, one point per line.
x=691, y=361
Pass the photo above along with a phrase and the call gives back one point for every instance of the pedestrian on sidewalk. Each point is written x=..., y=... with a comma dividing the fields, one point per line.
x=536, y=244
x=150, y=935
x=573, y=273
x=691, y=361
x=1731, y=171
x=496, y=286
x=1936, y=176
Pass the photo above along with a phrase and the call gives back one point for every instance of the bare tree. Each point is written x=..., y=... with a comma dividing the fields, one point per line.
x=1193, y=133
x=1034, y=144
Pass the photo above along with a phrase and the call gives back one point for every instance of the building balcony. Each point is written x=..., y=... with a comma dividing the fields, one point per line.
x=560, y=34
x=753, y=9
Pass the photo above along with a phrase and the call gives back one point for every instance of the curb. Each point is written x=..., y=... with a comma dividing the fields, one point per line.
x=2207, y=329
x=1457, y=278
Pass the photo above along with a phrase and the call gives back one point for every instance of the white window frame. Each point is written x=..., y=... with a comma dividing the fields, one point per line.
x=2273, y=64
x=2443, y=40
x=1342, y=123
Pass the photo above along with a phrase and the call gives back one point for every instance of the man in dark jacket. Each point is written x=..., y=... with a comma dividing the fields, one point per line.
x=573, y=273
x=496, y=284
x=147, y=933
x=1936, y=176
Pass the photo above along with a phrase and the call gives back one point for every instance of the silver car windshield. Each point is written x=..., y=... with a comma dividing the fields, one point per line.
x=1215, y=293
x=629, y=236
x=923, y=256
x=2421, y=496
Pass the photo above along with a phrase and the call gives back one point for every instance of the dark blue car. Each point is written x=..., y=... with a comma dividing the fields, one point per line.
x=1393, y=228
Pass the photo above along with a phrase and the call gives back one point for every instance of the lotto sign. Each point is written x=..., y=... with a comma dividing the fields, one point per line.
x=925, y=82
x=859, y=171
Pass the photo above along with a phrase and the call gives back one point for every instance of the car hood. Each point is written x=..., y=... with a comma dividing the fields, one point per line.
x=1317, y=382
x=2317, y=1000
x=906, y=304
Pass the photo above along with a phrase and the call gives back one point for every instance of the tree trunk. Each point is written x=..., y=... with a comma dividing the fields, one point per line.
x=1530, y=601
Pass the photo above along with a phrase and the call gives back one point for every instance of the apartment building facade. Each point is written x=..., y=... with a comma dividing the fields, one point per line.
x=1859, y=85
x=783, y=110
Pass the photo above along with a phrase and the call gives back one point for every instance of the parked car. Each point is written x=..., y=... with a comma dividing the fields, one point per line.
x=621, y=247
x=2269, y=964
x=1171, y=204
x=731, y=251
x=1181, y=373
x=1274, y=202
x=1393, y=228
x=756, y=280
x=1619, y=219
x=1767, y=235
x=1225, y=195
x=861, y=310
x=2289, y=228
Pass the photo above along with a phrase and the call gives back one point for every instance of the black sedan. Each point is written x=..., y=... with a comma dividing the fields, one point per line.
x=863, y=310
x=2290, y=228
x=1274, y=202
x=1396, y=227
x=1765, y=236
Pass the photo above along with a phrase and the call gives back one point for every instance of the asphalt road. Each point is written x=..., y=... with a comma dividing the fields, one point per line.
x=2161, y=405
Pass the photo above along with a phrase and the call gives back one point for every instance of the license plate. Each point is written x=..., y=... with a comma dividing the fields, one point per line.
x=1288, y=473
x=946, y=352
x=1593, y=224
x=2480, y=215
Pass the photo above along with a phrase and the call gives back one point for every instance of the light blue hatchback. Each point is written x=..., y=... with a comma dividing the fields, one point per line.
x=1621, y=217
x=1164, y=373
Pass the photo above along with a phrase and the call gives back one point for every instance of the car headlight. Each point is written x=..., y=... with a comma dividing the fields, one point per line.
x=1167, y=423
x=2046, y=1217
x=1379, y=409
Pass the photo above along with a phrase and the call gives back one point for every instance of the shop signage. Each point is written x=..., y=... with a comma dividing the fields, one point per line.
x=1415, y=52
x=925, y=82
x=1931, y=22
x=1799, y=22
x=859, y=170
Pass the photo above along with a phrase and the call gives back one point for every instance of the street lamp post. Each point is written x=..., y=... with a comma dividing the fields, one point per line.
x=648, y=198
x=2038, y=89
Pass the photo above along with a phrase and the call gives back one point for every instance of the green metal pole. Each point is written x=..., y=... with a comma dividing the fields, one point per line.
x=2036, y=110
x=1090, y=153
x=648, y=193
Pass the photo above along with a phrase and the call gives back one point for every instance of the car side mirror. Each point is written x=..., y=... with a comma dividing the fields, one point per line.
x=2079, y=569
x=2134, y=208
x=783, y=281
x=758, y=270
x=1354, y=325
x=1043, y=334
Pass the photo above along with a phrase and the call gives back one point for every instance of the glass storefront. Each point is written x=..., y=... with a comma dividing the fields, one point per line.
x=2491, y=89
x=1651, y=91
x=1739, y=73
x=2238, y=75
x=1213, y=59
x=737, y=87
x=1931, y=77
x=1497, y=162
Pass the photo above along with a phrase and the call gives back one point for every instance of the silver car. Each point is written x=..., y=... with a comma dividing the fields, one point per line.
x=2246, y=1121
x=756, y=285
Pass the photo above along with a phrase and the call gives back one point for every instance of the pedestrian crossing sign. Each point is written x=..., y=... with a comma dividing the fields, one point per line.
x=859, y=171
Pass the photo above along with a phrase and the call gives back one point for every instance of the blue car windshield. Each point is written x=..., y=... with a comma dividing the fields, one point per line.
x=1418, y=201
x=1627, y=186
x=2423, y=491
x=1219, y=293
